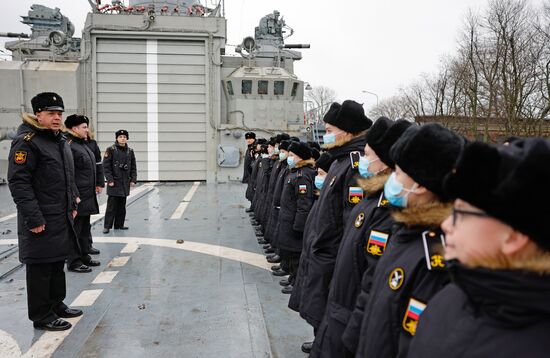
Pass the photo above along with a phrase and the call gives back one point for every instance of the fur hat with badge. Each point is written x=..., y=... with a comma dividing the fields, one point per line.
x=301, y=149
x=508, y=182
x=47, y=101
x=427, y=154
x=382, y=136
x=250, y=135
x=75, y=120
x=122, y=132
x=348, y=116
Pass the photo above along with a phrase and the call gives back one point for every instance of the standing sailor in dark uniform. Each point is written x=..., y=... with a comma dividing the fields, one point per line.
x=100, y=178
x=41, y=181
x=85, y=179
x=250, y=138
x=119, y=166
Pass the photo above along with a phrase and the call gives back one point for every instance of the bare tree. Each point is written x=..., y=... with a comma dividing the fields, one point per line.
x=321, y=97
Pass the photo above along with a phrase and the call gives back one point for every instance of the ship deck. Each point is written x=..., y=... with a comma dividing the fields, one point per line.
x=188, y=279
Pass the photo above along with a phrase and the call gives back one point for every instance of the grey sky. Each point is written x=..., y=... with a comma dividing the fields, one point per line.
x=357, y=45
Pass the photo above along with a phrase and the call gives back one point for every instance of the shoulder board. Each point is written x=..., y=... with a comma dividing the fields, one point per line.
x=300, y=174
x=28, y=137
x=354, y=158
x=113, y=147
x=70, y=141
x=433, y=244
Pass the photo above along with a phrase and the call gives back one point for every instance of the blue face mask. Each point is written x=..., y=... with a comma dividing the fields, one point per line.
x=282, y=156
x=291, y=162
x=393, y=189
x=319, y=180
x=364, y=167
x=329, y=138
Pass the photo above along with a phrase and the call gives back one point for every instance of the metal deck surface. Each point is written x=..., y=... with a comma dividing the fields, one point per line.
x=211, y=295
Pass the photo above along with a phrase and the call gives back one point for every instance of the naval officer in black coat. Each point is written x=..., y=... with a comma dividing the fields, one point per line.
x=119, y=166
x=85, y=179
x=41, y=182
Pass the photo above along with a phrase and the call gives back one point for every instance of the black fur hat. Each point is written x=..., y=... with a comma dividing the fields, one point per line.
x=47, y=101
x=427, y=154
x=324, y=161
x=294, y=139
x=348, y=116
x=301, y=149
x=75, y=120
x=314, y=145
x=282, y=136
x=250, y=135
x=284, y=145
x=261, y=141
x=382, y=136
x=315, y=154
x=272, y=141
x=122, y=132
x=508, y=182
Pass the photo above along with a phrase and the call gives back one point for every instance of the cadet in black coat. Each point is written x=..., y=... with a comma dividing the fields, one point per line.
x=86, y=181
x=100, y=179
x=411, y=271
x=366, y=235
x=281, y=170
x=250, y=190
x=41, y=182
x=296, y=202
x=344, y=140
x=119, y=166
x=250, y=138
x=263, y=190
x=498, y=302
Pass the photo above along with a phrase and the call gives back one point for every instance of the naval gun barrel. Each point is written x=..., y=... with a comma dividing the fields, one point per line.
x=297, y=46
x=13, y=34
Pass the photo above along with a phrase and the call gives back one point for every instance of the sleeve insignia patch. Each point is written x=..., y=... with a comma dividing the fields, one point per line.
x=432, y=242
x=355, y=194
x=20, y=157
x=302, y=189
x=414, y=310
x=396, y=279
x=377, y=243
x=354, y=158
x=359, y=220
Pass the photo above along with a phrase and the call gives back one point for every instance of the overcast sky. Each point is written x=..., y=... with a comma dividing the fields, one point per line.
x=373, y=45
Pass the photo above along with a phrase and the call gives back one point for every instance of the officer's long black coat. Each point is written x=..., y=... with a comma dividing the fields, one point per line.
x=259, y=184
x=85, y=174
x=252, y=179
x=267, y=207
x=115, y=156
x=263, y=191
x=296, y=202
x=248, y=159
x=41, y=182
x=100, y=176
x=323, y=233
x=487, y=313
x=403, y=277
x=272, y=229
x=356, y=253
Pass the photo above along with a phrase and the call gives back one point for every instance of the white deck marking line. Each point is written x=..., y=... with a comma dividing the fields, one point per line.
x=86, y=298
x=133, y=193
x=118, y=261
x=105, y=277
x=131, y=247
x=8, y=217
x=133, y=243
x=178, y=213
x=48, y=343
